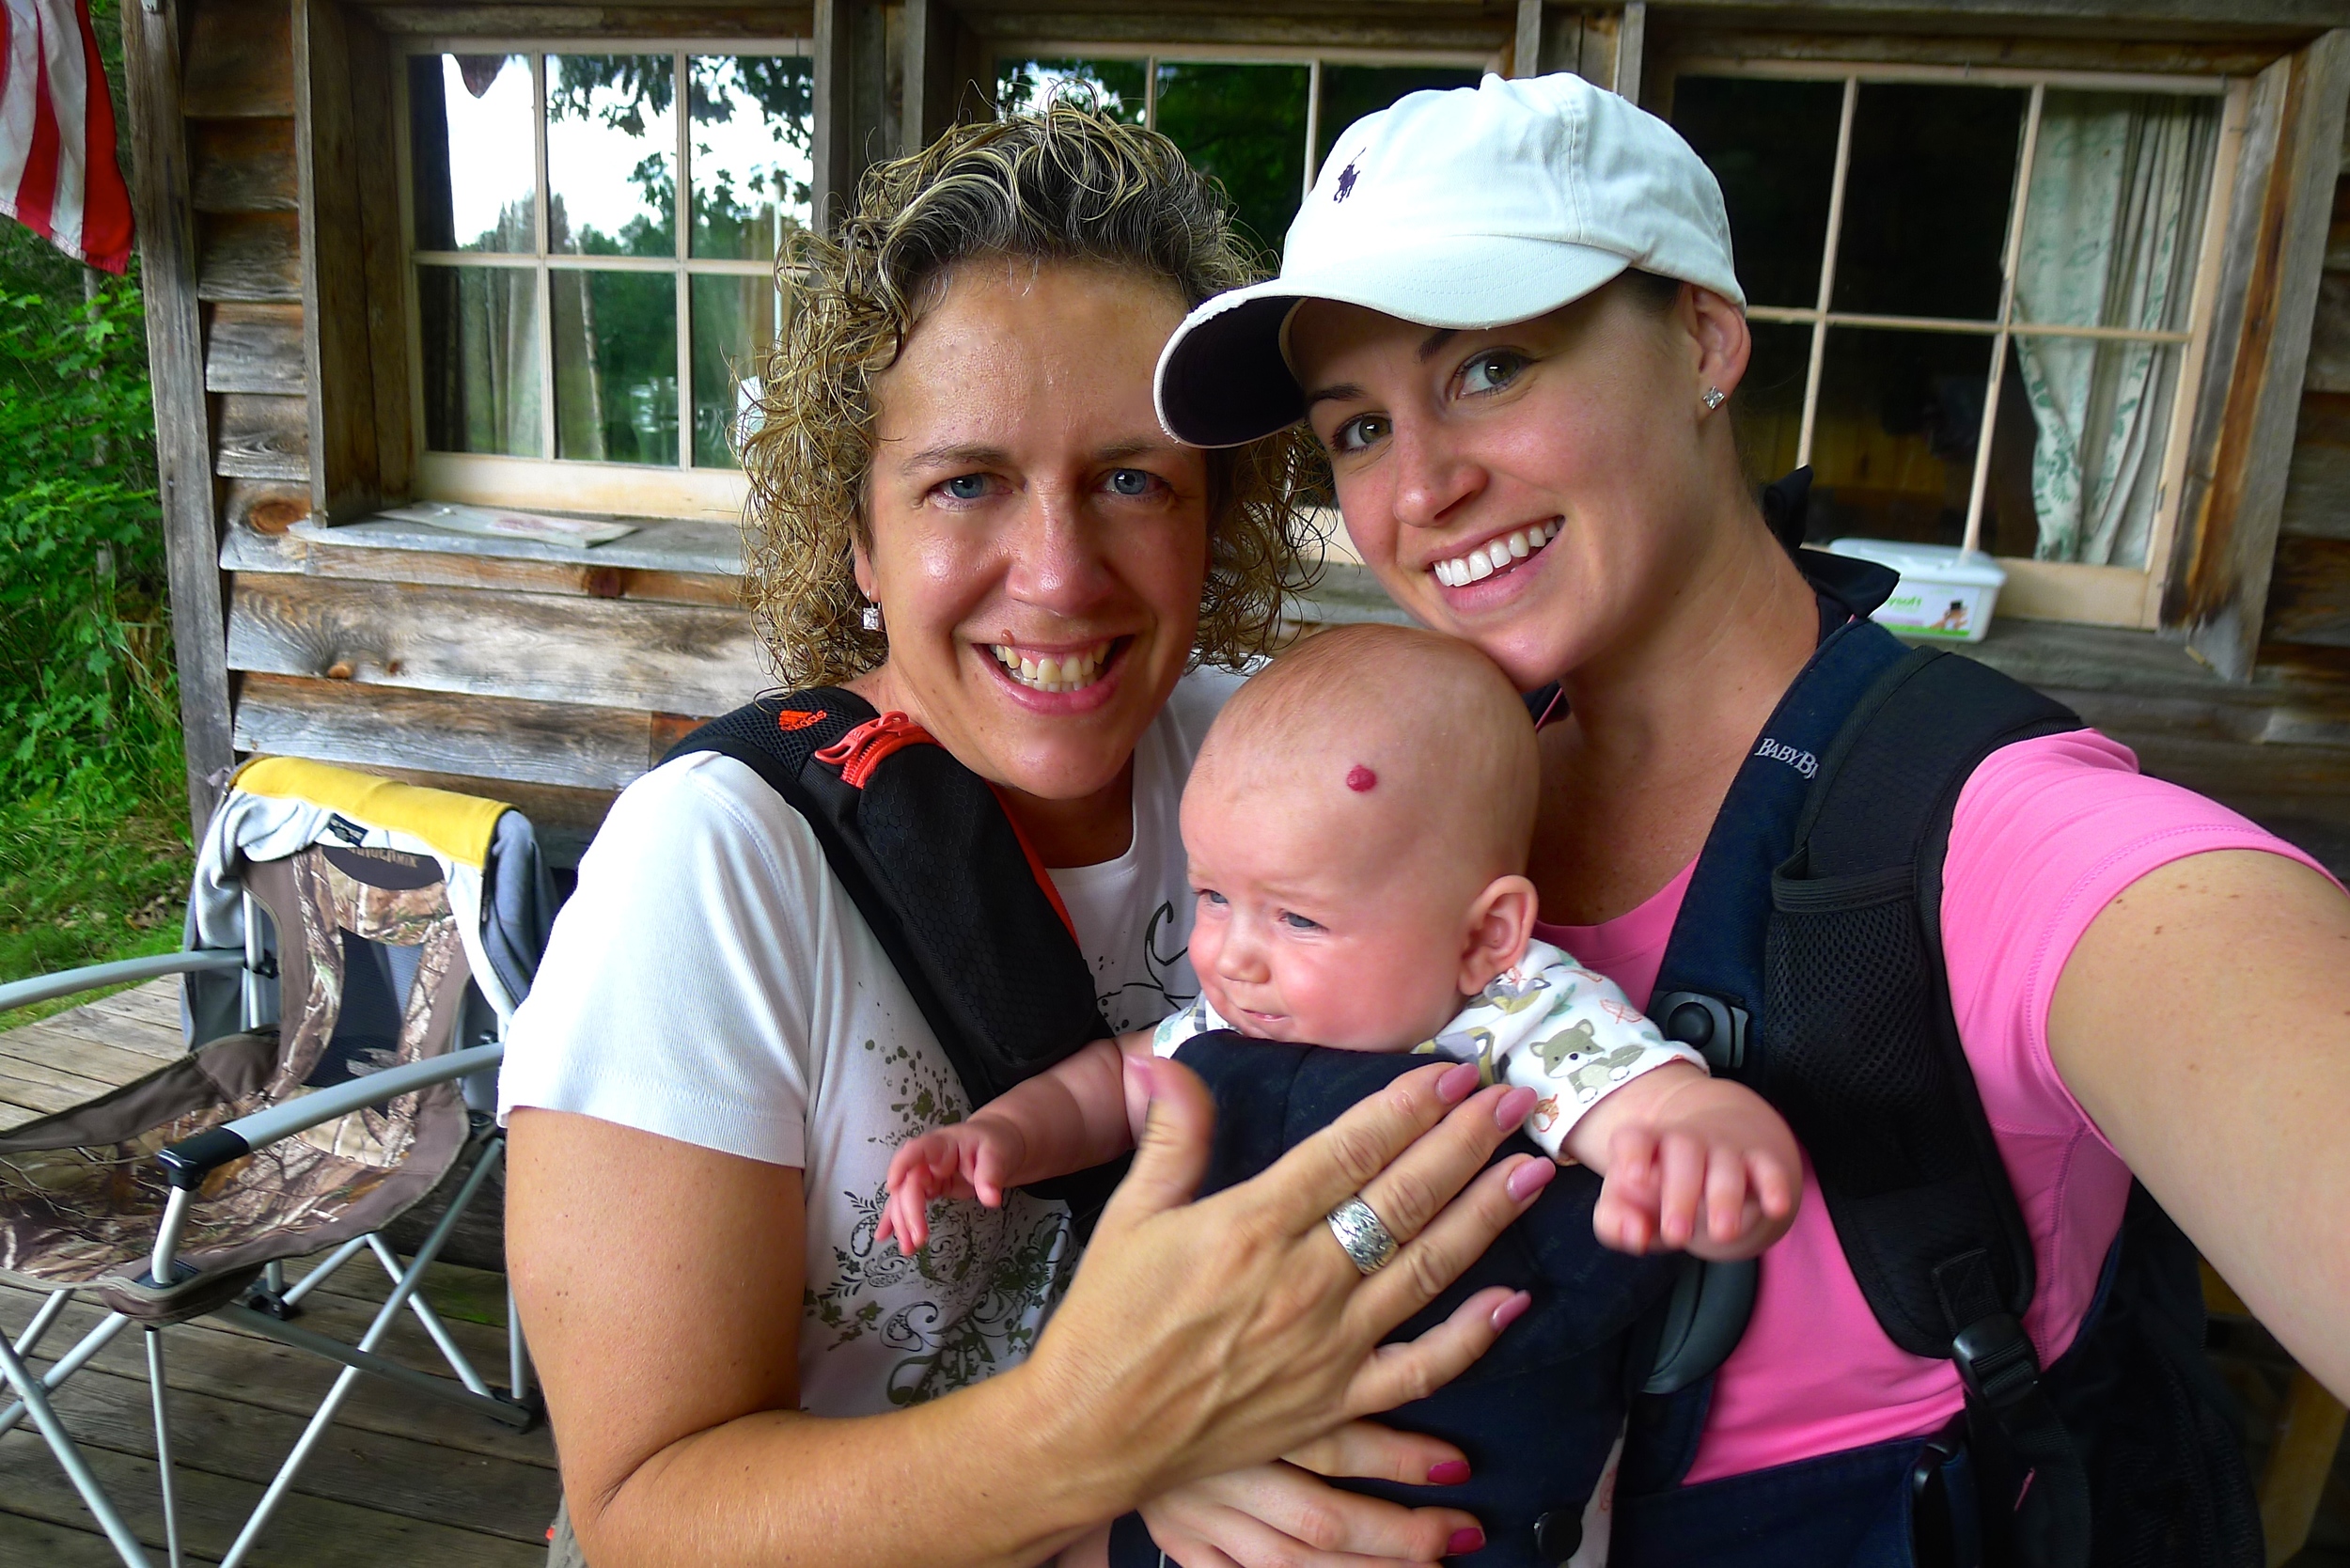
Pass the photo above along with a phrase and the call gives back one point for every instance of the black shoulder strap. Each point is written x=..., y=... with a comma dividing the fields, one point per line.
x=1861, y=1052
x=932, y=860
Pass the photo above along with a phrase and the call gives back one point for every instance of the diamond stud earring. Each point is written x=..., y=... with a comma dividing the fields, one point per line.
x=1716, y=397
x=871, y=617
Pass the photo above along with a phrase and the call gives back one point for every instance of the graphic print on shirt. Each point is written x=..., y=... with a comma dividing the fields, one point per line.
x=1165, y=986
x=985, y=1279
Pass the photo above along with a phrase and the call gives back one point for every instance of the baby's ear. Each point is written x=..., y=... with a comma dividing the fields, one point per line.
x=1500, y=923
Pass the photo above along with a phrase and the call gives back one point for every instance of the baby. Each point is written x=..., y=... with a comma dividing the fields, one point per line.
x=1357, y=824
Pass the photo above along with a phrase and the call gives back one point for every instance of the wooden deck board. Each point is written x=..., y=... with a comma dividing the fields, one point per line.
x=399, y=1479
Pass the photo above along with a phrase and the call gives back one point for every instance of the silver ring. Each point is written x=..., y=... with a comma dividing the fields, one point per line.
x=1360, y=1233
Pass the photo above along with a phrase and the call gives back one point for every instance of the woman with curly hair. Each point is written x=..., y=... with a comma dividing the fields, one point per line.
x=966, y=512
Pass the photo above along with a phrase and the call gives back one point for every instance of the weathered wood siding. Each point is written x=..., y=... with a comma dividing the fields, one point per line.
x=2309, y=596
x=548, y=682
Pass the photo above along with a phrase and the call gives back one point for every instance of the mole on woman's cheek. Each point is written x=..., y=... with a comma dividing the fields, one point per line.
x=1359, y=778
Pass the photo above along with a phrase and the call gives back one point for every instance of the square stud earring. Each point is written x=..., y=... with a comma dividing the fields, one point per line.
x=1716, y=397
x=871, y=617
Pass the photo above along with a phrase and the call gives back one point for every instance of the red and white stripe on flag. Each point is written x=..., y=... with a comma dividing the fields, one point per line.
x=58, y=177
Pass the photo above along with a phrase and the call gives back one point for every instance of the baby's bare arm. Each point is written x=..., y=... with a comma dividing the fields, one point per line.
x=1071, y=1117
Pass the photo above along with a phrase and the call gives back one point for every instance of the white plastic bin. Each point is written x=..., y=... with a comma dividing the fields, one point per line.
x=1944, y=593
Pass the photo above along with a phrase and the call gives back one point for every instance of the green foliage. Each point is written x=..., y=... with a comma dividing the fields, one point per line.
x=94, y=856
x=86, y=702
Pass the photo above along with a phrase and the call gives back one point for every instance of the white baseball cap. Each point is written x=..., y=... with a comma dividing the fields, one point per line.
x=1472, y=207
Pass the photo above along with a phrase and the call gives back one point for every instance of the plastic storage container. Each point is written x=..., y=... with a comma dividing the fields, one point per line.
x=1944, y=593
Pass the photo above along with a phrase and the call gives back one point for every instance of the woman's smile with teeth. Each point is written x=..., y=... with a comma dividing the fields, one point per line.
x=1070, y=671
x=1494, y=556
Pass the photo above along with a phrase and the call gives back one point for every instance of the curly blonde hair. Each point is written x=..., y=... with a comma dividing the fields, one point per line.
x=1068, y=184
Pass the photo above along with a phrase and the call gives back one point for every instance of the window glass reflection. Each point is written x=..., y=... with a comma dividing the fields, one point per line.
x=1894, y=442
x=1349, y=92
x=1024, y=87
x=751, y=162
x=735, y=320
x=1926, y=199
x=611, y=155
x=1245, y=125
x=1766, y=411
x=1773, y=146
x=480, y=339
x=615, y=367
x=469, y=146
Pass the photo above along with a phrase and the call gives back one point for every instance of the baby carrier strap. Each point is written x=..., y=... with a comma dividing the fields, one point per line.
x=967, y=913
x=1806, y=962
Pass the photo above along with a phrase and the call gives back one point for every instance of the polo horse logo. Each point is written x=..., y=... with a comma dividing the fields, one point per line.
x=1346, y=183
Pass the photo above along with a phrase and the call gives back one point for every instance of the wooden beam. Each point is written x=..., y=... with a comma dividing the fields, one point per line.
x=1631, y=50
x=369, y=725
x=175, y=353
x=236, y=65
x=595, y=652
x=336, y=345
x=1526, y=50
x=249, y=257
x=855, y=127
x=254, y=348
x=243, y=165
x=945, y=74
x=263, y=437
x=2244, y=431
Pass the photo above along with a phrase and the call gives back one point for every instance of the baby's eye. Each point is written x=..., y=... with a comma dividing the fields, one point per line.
x=1298, y=922
x=1211, y=898
x=1490, y=371
x=1134, y=481
x=1360, y=433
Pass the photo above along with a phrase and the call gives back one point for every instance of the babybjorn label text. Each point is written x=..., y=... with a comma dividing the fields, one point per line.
x=1779, y=751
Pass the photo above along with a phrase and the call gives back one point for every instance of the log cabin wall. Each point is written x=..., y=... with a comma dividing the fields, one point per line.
x=270, y=231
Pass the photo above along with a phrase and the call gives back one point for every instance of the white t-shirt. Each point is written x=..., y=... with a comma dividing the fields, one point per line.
x=711, y=982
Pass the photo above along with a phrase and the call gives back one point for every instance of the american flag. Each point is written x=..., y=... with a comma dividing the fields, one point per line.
x=58, y=172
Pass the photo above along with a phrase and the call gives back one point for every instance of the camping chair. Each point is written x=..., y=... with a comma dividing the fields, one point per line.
x=394, y=928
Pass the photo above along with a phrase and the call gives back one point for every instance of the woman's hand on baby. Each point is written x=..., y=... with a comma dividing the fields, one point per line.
x=969, y=1159
x=1691, y=1163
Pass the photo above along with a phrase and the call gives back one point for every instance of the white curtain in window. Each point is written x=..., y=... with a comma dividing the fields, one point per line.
x=2109, y=240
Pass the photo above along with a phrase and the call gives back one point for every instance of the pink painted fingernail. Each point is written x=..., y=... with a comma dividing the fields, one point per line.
x=1510, y=1311
x=1450, y=1473
x=1457, y=1085
x=1512, y=1108
x=1464, y=1541
x=1529, y=1179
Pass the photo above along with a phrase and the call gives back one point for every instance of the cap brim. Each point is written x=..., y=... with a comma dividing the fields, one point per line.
x=1223, y=379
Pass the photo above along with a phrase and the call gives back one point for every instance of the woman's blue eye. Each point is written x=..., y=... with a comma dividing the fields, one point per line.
x=1363, y=431
x=1490, y=373
x=1132, y=481
x=967, y=487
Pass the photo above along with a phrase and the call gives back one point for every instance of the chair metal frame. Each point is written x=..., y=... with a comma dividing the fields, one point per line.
x=187, y=1163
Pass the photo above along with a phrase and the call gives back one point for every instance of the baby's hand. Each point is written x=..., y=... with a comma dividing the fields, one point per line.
x=969, y=1159
x=1692, y=1162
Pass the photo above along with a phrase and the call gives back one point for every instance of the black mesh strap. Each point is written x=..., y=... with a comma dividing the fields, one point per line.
x=928, y=855
x=1862, y=1054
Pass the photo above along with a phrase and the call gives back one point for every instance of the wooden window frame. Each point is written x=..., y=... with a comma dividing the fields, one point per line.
x=2036, y=590
x=1151, y=55
x=680, y=489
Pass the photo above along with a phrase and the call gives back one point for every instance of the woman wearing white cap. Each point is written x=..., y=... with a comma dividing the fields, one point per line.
x=1511, y=317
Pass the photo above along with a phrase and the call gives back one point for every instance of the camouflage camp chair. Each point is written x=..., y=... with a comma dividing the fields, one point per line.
x=395, y=929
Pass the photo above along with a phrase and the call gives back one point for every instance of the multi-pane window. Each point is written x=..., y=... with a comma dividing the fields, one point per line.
x=1976, y=306
x=1260, y=127
x=594, y=240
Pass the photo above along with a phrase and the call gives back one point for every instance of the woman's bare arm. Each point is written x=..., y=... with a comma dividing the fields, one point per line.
x=661, y=1285
x=2203, y=1022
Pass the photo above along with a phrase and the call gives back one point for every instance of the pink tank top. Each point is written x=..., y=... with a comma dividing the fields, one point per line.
x=2044, y=836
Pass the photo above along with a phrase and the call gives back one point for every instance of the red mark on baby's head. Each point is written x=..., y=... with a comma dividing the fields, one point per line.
x=1359, y=778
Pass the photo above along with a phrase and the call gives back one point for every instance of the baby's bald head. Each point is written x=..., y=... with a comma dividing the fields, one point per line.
x=1410, y=745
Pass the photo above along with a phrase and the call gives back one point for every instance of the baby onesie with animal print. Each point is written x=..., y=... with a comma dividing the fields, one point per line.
x=1545, y=1022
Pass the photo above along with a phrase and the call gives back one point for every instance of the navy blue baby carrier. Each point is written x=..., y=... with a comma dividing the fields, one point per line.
x=1806, y=962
